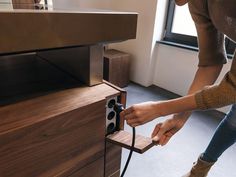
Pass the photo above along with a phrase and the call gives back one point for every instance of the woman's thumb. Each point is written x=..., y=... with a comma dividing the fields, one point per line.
x=162, y=130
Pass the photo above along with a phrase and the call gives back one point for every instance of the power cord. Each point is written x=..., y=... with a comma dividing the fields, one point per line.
x=119, y=108
x=130, y=153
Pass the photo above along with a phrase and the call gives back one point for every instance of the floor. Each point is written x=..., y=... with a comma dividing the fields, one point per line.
x=176, y=158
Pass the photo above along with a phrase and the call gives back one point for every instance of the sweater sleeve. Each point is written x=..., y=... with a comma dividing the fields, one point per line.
x=211, y=42
x=219, y=95
x=212, y=52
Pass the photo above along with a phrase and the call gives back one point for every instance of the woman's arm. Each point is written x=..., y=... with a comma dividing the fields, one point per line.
x=141, y=113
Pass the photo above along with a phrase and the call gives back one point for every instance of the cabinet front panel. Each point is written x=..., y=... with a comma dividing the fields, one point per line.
x=57, y=146
x=95, y=169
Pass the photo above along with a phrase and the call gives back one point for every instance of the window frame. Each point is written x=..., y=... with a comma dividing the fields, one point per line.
x=187, y=40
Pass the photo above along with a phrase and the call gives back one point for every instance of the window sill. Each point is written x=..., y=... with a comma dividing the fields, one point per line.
x=187, y=47
x=183, y=46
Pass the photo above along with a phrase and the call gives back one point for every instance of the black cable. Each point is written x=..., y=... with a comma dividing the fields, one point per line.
x=130, y=153
x=119, y=108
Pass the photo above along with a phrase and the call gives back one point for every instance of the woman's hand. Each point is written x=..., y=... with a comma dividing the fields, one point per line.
x=165, y=130
x=139, y=114
x=142, y=113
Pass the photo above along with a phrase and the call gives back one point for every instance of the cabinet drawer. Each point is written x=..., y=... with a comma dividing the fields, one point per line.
x=95, y=169
x=56, y=146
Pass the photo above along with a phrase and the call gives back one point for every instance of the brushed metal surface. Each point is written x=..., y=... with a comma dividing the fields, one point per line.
x=32, y=30
x=83, y=63
x=95, y=64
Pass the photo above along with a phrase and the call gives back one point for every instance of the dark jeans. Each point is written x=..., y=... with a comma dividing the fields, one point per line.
x=224, y=137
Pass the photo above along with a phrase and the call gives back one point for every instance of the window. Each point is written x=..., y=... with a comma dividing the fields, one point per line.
x=183, y=31
x=47, y=2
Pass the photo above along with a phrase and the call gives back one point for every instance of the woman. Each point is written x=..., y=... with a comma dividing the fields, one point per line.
x=213, y=19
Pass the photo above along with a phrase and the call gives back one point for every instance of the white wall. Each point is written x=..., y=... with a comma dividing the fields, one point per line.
x=141, y=49
x=174, y=68
x=75, y=4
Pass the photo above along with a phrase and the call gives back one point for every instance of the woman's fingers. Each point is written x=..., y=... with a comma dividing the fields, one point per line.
x=129, y=117
x=141, y=113
x=132, y=122
x=128, y=114
x=160, y=133
x=163, y=132
x=156, y=130
x=162, y=140
x=165, y=139
x=127, y=111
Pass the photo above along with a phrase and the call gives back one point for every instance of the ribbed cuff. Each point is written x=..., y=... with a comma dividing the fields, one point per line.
x=200, y=101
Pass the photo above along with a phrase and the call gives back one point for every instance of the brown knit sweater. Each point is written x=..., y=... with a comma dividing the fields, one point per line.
x=213, y=20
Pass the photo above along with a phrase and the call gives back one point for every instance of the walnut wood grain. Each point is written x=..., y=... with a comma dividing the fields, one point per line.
x=123, y=92
x=95, y=168
x=124, y=139
x=56, y=134
x=39, y=30
x=28, y=112
x=116, y=67
x=112, y=159
x=116, y=174
x=56, y=146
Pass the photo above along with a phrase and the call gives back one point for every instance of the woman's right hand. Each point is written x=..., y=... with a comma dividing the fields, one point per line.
x=165, y=130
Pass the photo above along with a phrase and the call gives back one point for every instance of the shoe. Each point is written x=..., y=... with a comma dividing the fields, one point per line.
x=200, y=168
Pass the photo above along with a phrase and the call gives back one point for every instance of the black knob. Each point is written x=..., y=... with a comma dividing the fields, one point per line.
x=111, y=103
x=111, y=115
x=110, y=128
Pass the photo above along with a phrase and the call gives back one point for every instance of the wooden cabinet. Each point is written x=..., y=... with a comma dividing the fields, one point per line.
x=55, y=135
x=51, y=125
x=93, y=168
x=113, y=159
x=116, y=67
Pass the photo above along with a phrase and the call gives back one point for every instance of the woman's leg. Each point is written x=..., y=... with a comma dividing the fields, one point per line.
x=224, y=137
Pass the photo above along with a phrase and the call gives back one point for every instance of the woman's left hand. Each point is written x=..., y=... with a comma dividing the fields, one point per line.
x=142, y=113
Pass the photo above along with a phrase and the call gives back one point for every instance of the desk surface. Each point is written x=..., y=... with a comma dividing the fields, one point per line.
x=24, y=30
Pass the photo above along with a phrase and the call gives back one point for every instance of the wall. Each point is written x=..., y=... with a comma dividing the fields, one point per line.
x=75, y=4
x=141, y=48
x=175, y=69
x=151, y=23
